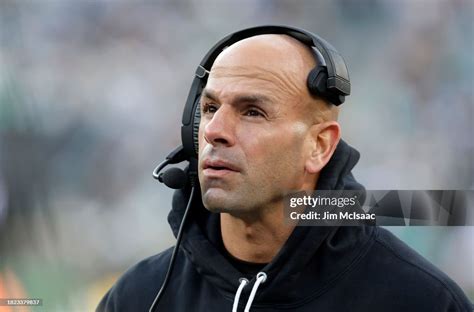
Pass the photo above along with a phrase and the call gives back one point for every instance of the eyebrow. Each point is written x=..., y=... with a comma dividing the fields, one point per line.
x=244, y=98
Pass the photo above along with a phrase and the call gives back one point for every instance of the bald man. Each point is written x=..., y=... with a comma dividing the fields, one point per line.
x=261, y=135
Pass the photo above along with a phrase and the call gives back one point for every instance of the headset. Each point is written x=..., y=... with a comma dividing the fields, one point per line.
x=328, y=80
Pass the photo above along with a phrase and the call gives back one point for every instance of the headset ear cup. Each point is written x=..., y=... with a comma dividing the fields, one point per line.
x=317, y=85
x=317, y=80
x=196, y=121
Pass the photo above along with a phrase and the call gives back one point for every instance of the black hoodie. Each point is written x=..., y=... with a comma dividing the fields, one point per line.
x=362, y=268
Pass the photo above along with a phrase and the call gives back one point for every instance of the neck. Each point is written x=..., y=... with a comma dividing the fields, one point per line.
x=256, y=239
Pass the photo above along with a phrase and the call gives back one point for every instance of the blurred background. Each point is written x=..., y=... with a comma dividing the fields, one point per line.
x=91, y=96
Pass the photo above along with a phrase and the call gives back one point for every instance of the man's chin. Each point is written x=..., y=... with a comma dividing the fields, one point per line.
x=218, y=200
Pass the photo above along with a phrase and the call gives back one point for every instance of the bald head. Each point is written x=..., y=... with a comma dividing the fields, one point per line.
x=284, y=63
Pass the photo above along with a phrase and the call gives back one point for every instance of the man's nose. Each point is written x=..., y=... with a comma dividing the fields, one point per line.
x=219, y=130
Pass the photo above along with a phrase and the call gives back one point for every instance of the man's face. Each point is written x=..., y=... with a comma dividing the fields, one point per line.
x=252, y=132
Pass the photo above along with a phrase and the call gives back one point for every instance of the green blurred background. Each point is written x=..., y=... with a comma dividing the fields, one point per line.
x=91, y=96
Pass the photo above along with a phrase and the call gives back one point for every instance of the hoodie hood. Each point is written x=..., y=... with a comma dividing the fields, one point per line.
x=336, y=175
x=294, y=264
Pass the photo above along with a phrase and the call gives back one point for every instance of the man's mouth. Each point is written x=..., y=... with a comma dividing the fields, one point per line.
x=218, y=168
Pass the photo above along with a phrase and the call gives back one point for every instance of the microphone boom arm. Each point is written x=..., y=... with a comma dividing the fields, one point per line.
x=176, y=156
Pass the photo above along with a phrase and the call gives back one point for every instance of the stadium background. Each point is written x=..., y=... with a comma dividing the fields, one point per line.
x=91, y=96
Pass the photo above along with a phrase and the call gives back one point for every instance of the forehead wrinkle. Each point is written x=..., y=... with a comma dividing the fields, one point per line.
x=281, y=80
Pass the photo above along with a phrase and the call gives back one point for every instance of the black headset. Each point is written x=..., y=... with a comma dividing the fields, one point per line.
x=328, y=80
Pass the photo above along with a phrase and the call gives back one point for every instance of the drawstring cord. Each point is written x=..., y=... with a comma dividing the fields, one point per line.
x=243, y=283
x=261, y=278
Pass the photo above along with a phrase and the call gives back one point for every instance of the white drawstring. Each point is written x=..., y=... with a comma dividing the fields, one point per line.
x=261, y=278
x=243, y=283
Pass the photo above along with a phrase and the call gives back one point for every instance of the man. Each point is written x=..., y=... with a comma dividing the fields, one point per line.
x=261, y=135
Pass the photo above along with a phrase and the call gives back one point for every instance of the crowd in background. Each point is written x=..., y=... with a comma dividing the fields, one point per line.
x=91, y=97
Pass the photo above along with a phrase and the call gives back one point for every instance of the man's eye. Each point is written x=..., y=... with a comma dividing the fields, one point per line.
x=253, y=113
x=209, y=108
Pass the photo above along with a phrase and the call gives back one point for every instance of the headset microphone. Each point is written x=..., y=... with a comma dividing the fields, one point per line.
x=174, y=178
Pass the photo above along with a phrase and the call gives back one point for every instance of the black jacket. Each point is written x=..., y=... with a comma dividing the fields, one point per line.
x=363, y=268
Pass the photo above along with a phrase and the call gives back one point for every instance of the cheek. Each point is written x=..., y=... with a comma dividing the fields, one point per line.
x=278, y=148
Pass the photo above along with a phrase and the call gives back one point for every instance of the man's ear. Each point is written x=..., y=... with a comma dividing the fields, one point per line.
x=323, y=138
